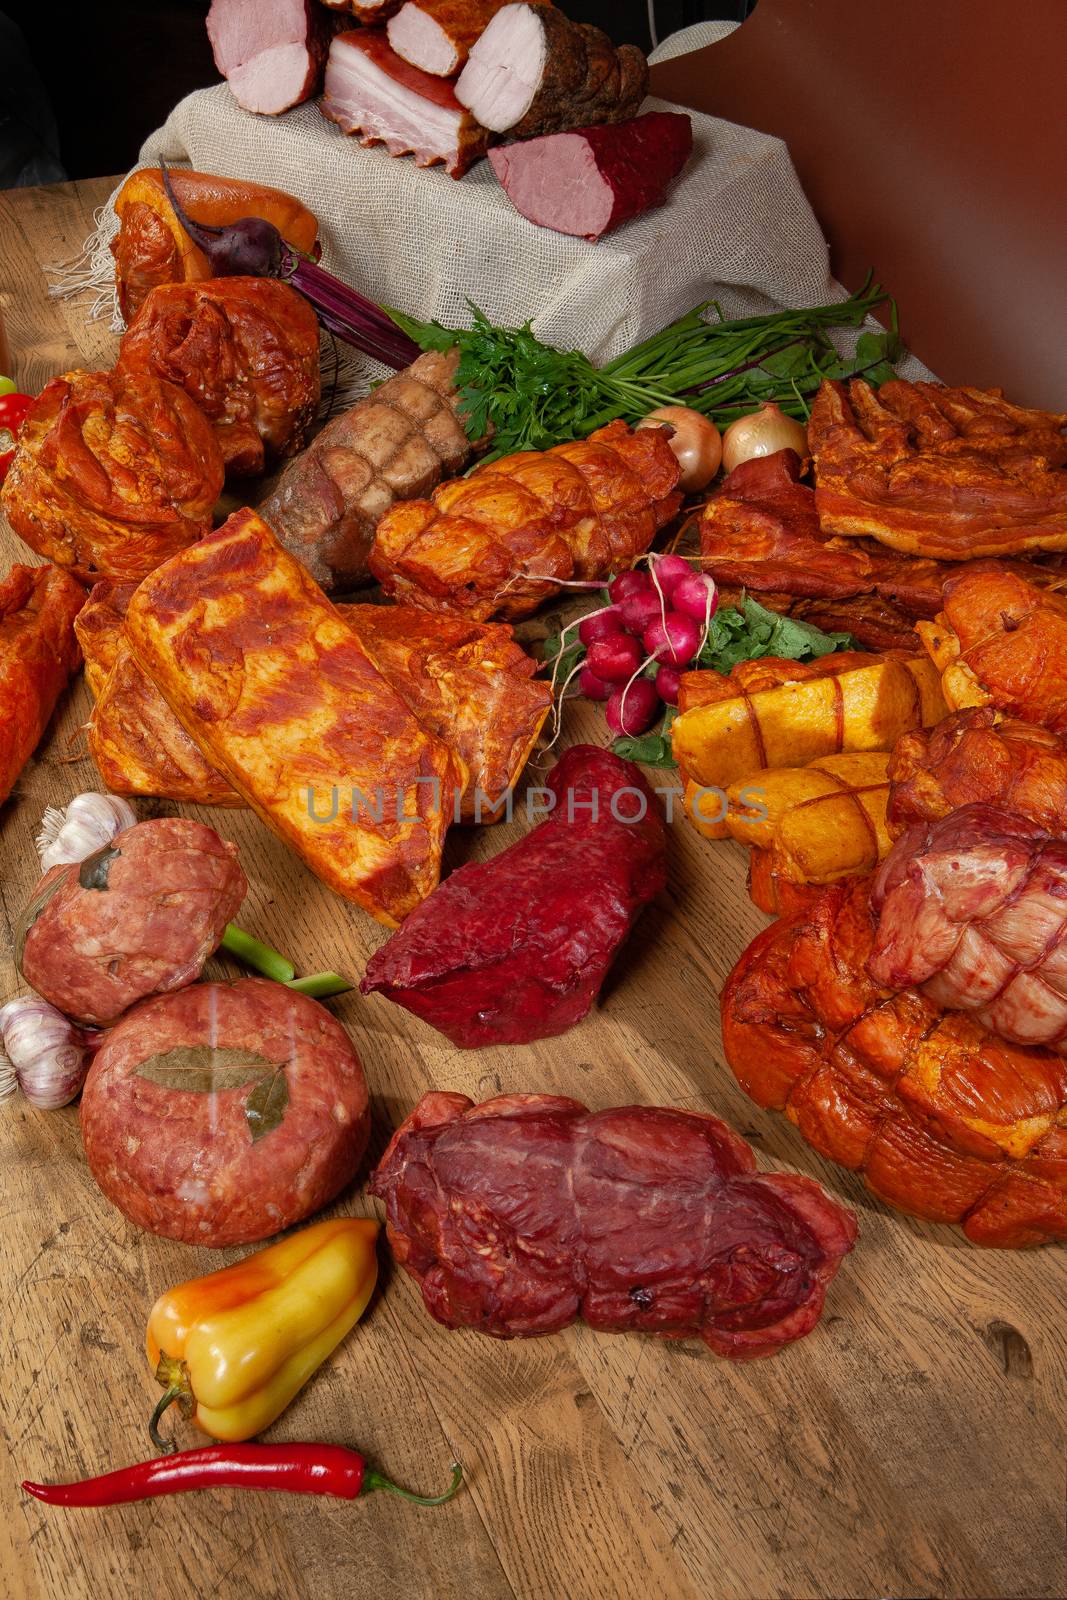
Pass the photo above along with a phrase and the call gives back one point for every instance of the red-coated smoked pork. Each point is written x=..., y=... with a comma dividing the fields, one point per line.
x=516, y=948
x=138, y=917
x=225, y=1113
x=525, y=1214
x=591, y=180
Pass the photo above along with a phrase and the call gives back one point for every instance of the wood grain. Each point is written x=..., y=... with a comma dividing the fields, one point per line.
x=913, y=1445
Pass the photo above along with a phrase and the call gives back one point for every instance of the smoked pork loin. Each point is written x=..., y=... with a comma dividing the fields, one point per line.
x=437, y=35
x=529, y=1212
x=272, y=55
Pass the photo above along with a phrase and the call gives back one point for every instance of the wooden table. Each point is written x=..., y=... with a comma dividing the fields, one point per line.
x=912, y=1446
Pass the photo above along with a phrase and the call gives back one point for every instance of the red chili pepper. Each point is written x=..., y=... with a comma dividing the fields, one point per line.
x=13, y=409
x=298, y=1468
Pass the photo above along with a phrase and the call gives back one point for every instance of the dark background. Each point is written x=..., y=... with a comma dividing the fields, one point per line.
x=113, y=69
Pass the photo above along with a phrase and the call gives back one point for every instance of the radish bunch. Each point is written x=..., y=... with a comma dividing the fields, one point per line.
x=638, y=645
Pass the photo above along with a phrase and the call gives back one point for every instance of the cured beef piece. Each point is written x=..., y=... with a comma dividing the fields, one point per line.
x=529, y=1212
x=946, y=473
x=516, y=948
x=591, y=180
x=225, y=1113
x=272, y=55
x=437, y=35
x=973, y=910
x=533, y=71
x=370, y=91
x=977, y=757
x=38, y=655
x=397, y=443
x=280, y=695
x=942, y=1118
x=246, y=350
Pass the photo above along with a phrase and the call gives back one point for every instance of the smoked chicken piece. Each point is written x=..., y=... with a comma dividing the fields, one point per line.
x=973, y=910
x=943, y=1119
x=282, y=698
x=246, y=350
x=979, y=757
x=529, y=1212
x=468, y=683
x=533, y=71
x=38, y=654
x=371, y=92
x=437, y=35
x=272, y=55
x=1001, y=640
x=945, y=473
x=395, y=444
x=516, y=948
x=502, y=540
x=114, y=472
x=151, y=246
x=773, y=713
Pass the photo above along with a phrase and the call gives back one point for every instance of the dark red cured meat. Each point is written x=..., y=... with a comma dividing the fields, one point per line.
x=138, y=918
x=590, y=180
x=182, y=1162
x=525, y=1214
x=516, y=948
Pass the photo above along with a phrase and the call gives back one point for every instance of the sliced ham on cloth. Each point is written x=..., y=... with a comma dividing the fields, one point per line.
x=590, y=180
x=437, y=35
x=371, y=92
x=271, y=55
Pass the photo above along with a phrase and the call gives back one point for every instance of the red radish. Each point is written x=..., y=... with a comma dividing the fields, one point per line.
x=690, y=597
x=628, y=584
x=599, y=625
x=592, y=687
x=614, y=659
x=668, y=680
x=641, y=609
x=675, y=641
x=669, y=571
x=633, y=710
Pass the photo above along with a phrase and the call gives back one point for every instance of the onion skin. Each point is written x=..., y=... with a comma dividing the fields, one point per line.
x=762, y=433
x=695, y=440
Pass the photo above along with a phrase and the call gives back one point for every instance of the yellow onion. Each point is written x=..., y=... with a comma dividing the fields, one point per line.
x=762, y=433
x=694, y=440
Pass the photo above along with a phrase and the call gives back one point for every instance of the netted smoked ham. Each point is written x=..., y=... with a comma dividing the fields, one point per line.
x=437, y=35
x=1001, y=640
x=973, y=910
x=946, y=473
x=272, y=55
x=771, y=713
x=151, y=246
x=591, y=180
x=942, y=1118
x=38, y=654
x=501, y=541
x=979, y=757
x=641, y=1219
x=534, y=71
x=114, y=472
x=246, y=350
x=397, y=443
x=371, y=92
x=280, y=696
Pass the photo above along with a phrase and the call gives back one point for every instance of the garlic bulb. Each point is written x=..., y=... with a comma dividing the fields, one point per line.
x=87, y=824
x=43, y=1053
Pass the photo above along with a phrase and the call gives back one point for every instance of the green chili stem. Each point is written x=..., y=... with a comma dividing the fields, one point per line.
x=254, y=953
x=165, y=1446
x=375, y=1480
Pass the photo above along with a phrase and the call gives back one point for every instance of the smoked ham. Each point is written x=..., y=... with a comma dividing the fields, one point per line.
x=502, y=540
x=529, y=1212
x=437, y=35
x=371, y=92
x=591, y=180
x=272, y=55
x=280, y=695
x=533, y=71
x=38, y=655
x=979, y=757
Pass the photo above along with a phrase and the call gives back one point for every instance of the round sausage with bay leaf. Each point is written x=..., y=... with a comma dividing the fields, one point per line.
x=136, y=918
x=224, y=1113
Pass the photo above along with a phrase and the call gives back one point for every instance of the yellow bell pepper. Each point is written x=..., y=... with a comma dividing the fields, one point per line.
x=233, y=1348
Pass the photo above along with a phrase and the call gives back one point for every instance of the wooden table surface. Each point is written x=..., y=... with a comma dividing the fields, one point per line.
x=912, y=1446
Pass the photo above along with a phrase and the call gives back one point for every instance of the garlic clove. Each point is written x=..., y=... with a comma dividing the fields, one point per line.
x=88, y=823
x=43, y=1051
